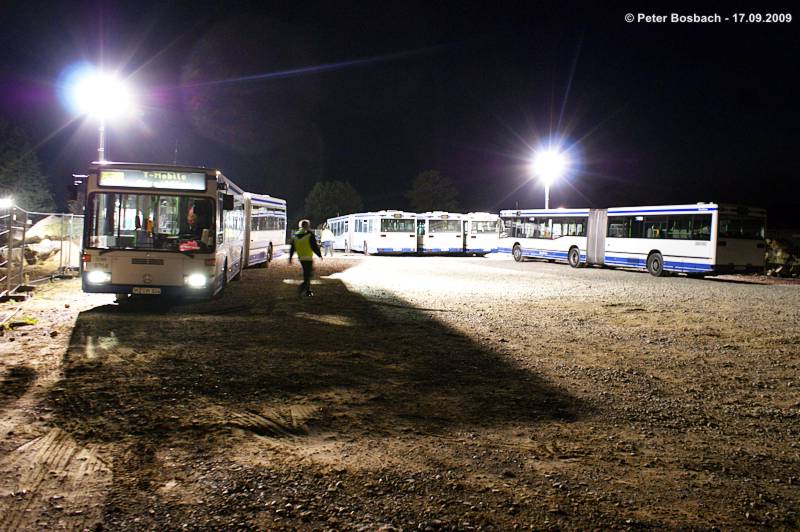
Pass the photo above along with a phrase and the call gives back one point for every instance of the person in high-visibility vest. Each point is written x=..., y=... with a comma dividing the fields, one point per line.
x=305, y=244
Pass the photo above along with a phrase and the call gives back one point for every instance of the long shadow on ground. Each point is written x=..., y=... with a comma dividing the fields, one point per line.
x=132, y=369
x=144, y=372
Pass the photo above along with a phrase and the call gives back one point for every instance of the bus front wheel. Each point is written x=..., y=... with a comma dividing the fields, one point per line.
x=265, y=264
x=655, y=264
x=574, y=258
x=517, y=253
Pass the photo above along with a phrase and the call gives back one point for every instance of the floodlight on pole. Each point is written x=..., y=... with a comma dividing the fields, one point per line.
x=6, y=202
x=101, y=96
x=549, y=165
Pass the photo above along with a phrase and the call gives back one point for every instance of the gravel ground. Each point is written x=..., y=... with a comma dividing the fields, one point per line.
x=409, y=393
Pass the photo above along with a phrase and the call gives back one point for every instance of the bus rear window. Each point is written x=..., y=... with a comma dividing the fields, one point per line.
x=444, y=226
x=397, y=225
x=744, y=227
x=484, y=226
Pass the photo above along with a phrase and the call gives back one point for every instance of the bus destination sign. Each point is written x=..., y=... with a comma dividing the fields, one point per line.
x=153, y=179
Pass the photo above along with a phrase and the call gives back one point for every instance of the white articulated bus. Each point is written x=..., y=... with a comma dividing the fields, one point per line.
x=161, y=229
x=482, y=233
x=381, y=232
x=440, y=232
x=698, y=239
x=265, y=230
x=555, y=234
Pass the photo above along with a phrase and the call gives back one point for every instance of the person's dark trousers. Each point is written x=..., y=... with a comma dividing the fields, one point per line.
x=308, y=268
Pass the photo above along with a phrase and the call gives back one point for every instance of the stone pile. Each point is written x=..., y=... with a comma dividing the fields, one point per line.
x=783, y=258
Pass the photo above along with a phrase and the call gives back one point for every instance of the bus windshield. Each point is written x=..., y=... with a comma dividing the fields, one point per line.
x=744, y=227
x=397, y=225
x=150, y=221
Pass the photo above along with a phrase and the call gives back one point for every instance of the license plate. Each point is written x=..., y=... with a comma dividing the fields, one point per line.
x=146, y=290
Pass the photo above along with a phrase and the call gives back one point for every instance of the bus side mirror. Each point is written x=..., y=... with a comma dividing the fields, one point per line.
x=227, y=202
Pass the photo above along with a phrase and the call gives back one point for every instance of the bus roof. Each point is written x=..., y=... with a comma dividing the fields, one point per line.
x=154, y=166
x=442, y=215
x=643, y=209
x=548, y=212
x=266, y=199
x=481, y=216
x=655, y=209
x=381, y=214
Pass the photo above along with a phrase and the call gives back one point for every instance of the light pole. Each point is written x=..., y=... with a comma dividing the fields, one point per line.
x=549, y=165
x=101, y=96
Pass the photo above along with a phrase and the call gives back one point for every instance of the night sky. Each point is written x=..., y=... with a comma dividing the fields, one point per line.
x=281, y=95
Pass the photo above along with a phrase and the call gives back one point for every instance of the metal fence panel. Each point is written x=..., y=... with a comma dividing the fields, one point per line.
x=37, y=246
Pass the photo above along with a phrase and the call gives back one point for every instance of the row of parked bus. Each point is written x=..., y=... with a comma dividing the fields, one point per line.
x=160, y=229
x=698, y=239
x=401, y=232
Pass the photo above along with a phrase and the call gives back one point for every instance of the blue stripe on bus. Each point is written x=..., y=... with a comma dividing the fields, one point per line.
x=559, y=213
x=538, y=253
x=629, y=262
x=442, y=250
x=699, y=209
x=635, y=262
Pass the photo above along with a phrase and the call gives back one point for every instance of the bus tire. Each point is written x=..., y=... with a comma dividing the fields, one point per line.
x=574, y=257
x=516, y=251
x=366, y=249
x=265, y=264
x=655, y=264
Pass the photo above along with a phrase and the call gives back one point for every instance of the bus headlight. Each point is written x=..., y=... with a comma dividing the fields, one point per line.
x=196, y=280
x=98, y=277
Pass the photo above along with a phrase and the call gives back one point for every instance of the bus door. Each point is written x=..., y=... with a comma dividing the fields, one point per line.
x=596, y=236
x=420, y=235
x=465, y=228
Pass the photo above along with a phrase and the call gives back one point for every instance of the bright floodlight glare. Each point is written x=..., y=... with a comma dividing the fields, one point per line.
x=6, y=203
x=549, y=165
x=101, y=95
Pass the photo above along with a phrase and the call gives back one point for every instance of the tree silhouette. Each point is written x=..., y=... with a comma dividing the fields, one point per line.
x=331, y=198
x=431, y=191
x=20, y=176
